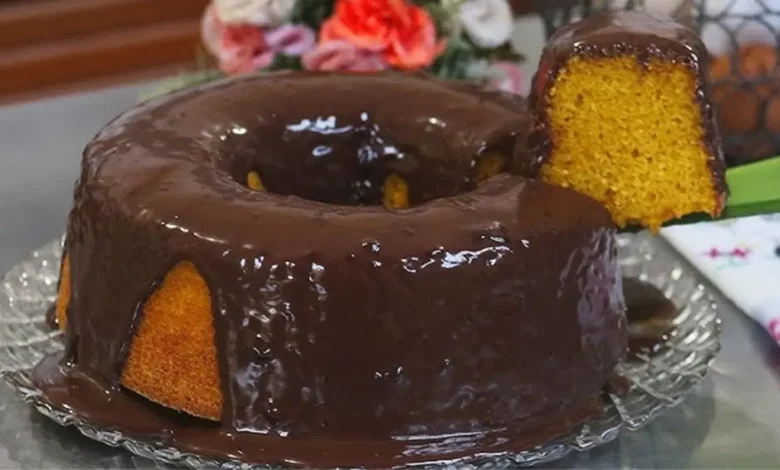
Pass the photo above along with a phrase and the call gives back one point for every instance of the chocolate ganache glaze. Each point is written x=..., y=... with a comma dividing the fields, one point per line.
x=650, y=316
x=449, y=328
x=640, y=34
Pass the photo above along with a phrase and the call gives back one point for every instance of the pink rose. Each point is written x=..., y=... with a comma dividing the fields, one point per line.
x=343, y=56
x=774, y=328
x=238, y=48
x=506, y=76
x=291, y=39
x=243, y=49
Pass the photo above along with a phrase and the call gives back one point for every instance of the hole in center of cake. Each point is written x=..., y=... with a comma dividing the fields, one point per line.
x=365, y=179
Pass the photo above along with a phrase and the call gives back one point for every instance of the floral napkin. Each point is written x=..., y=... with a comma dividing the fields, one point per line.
x=741, y=257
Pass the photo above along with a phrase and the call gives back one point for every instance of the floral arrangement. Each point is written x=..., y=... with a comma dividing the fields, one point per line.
x=451, y=39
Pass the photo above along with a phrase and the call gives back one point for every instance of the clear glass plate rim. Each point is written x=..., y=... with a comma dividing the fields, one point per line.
x=590, y=435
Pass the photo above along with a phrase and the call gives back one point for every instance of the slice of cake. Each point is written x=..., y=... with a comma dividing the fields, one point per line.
x=622, y=111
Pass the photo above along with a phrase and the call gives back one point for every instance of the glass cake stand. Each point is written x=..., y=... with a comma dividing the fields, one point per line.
x=657, y=382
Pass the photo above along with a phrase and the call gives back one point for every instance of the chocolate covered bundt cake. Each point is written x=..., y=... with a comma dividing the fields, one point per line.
x=311, y=261
x=623, y=114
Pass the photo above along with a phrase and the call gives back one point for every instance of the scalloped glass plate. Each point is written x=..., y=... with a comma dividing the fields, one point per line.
x=657, y=382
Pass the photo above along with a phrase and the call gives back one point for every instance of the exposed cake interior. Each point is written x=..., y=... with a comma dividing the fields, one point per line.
x=160, y=346
x=630, y=134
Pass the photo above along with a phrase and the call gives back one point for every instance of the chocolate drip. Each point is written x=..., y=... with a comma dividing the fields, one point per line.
x=642, y=35
x=51, y=317
x=140, y=419
x=479, y=312
x=650, y=316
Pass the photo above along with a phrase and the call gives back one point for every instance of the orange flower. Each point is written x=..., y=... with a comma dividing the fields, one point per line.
x=401, y=31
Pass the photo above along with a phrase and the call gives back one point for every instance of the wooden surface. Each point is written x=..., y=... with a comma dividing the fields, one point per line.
x=57, y=44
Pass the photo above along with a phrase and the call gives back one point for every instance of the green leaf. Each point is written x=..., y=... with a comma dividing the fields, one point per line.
x=453, y=63
x=181, y=82
x=755, y=189
x=429, y=4
x=442, y=18
x=284, y=62
x=504, y=52
x=312, y=12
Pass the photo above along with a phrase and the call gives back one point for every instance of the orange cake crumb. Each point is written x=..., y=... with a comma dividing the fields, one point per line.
x=63, y=294
x=395, y=193
x=490, y=165
x=173, y=359
x=253, y=181
x=630, y=135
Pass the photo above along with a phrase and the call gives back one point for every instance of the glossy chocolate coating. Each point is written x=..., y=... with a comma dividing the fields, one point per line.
x=650, y=316
x=145, y=421
x=481, y=310
x=639, y=34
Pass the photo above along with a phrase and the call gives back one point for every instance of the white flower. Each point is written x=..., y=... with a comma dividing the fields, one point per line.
x=254, y=12
x=488, y=23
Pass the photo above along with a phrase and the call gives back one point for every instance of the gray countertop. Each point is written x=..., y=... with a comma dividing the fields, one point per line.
x=731, y=421
x=40, y=149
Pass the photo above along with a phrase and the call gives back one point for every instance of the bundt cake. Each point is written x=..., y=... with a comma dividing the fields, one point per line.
x=362, y=277
x=623, y=114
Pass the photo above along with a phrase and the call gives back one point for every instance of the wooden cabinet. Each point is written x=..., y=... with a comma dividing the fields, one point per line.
x=51, y=44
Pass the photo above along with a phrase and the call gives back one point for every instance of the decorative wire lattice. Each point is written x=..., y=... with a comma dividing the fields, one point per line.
x=743, y=37
x=658, y=382
x=557, y=13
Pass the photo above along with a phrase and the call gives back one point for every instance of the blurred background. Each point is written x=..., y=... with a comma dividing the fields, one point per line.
x=58, y=46
x=55, y=47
